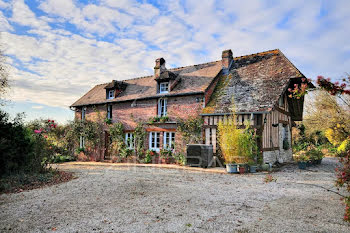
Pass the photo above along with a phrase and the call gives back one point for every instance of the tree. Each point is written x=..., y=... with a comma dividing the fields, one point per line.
x=339, y=116
x=328, y=115
x=4, y=83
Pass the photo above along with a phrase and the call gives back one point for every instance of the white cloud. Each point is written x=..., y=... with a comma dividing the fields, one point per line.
x=4, y=5
x=4, y=24
x=60, y=65
x=21, y=14
x=37, y=107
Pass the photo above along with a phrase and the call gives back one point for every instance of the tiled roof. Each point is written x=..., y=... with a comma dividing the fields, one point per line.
x=194, y=79
x=254, y=81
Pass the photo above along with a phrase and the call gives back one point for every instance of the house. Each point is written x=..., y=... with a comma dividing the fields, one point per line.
x=258, y=83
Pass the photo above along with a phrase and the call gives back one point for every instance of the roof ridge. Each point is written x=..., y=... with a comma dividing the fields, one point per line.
x=182, y=67
x=171, y=69
x=259, y=53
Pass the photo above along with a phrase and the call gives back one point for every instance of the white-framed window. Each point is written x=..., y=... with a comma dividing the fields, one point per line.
x=83, y=113
x=129, y=140
x=154, y=141
x=164, y=87
x=109, y=112
x=169, y=140
x=82, y=142
x=162, y=107
x=110, y=94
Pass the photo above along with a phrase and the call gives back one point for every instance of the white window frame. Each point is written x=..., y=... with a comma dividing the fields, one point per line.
x=164, y=87
x=82, y=142
x=162, y=107
x=154, y=141
x=110, y=94
x=109, y=112
x=83, y=113
x=169, y=140
x=129, y=140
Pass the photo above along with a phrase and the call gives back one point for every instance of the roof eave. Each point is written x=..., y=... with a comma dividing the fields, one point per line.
x=143, y=98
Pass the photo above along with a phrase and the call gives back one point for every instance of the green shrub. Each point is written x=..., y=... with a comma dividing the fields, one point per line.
x=343, y=148
x=180, y=158
x=20, y=148
x=148, y=157
x=125, y=152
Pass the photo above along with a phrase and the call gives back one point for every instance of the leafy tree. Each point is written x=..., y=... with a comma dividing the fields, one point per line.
x=328, y=115
x=21, y=149
x=4, y=82
x=338, y=123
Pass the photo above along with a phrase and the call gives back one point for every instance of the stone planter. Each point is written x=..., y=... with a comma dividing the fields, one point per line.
x=232, y=168
x=302, y=165
x=253, y=168
x=266, y=167
x=242, y=170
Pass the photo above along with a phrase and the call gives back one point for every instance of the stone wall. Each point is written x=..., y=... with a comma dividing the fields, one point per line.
x=280, y=155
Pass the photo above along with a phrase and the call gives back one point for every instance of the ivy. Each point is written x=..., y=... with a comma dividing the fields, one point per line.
x=139, y=137
x=191, y=129
x=116, y=132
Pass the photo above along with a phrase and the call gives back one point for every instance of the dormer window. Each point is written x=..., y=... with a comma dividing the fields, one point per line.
x=163, y=87
x=110, y=94
x=114, y=88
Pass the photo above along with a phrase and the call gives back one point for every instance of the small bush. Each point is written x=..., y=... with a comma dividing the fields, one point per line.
x=180, y=158
x=343, y=148
x=20, y=148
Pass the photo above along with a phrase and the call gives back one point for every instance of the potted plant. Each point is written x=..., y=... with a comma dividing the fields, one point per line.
x=232, y=167
x=242, y=168
x=302, y=160
x=252, y=166
x=315, y=155
x=164, y=119
x=166, y=156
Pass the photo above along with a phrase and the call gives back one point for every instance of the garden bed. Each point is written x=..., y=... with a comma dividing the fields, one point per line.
x=21, y=182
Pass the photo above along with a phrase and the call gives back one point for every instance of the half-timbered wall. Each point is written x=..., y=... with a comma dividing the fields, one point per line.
x=211, y=122
x=272, y=126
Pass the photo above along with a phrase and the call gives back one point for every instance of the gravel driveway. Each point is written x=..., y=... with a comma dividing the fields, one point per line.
x=139, y=199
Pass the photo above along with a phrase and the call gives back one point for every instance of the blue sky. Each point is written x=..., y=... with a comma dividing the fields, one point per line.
x=59, y=49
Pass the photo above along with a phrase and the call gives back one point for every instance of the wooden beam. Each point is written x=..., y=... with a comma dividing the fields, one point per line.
x=270, y=149
x=282, y=111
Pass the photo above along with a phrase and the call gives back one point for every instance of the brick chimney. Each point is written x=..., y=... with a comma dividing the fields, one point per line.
x=160, y=66
x=226, y=58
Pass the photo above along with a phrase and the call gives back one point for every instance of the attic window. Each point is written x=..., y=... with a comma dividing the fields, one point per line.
x=164, y=87
x=110, y=94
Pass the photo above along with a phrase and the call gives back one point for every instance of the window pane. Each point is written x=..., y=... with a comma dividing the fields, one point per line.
x=158, y=137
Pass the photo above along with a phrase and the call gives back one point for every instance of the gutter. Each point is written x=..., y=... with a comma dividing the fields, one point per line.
x=237, y=113
x=144, y=98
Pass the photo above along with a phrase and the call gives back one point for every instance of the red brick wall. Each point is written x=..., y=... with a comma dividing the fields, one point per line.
x=131, y=112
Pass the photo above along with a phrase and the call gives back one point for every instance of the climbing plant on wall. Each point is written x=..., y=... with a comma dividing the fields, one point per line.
x=139, y=137
x=191, y=129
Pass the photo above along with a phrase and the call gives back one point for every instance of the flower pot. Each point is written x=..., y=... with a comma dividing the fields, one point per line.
x=302, y=165
x=265, y=167
x=309, y=163
x=318, y=161
x=242, y=169
x=232, y=168
x=252, y=168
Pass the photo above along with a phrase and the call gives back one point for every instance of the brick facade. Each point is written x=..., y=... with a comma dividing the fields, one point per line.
x=131, y=112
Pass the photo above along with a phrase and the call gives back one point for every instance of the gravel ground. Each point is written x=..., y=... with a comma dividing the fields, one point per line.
x=141, y=199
